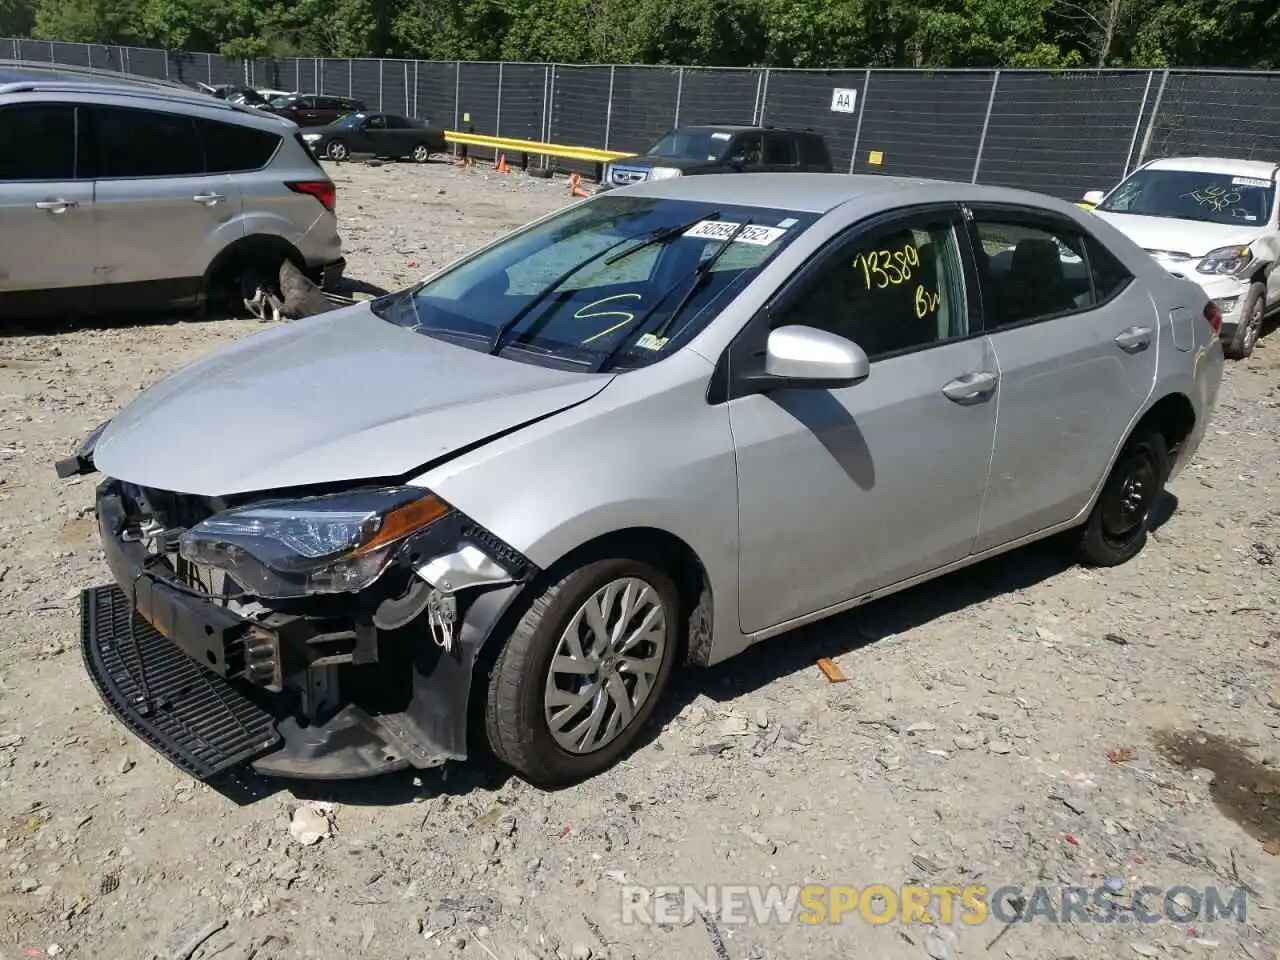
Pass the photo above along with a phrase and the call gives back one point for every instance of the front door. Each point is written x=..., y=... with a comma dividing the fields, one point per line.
x=162, y=216
x=1076, y=341
x=845, y=491
x=48, y=239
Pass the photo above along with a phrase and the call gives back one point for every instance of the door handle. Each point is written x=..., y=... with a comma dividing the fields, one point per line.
x=971, y=387
x=1134, y=340
x=208, y=199
x=56, y=206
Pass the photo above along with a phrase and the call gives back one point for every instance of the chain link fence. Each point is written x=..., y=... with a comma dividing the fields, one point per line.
x=1058, y=132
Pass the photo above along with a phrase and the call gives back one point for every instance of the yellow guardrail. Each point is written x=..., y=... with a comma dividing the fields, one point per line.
x=511, y=145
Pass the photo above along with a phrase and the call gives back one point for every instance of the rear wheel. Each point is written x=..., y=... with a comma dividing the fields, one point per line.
x=1246, y=333
x=583, y=671
x=336, y=151
x=1117, y=528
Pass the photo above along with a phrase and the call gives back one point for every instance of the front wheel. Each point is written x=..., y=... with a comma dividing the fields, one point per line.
x=421, y=153
x=583, y=671
x=1246, y=333
x=1117, y=528
x=337, y=151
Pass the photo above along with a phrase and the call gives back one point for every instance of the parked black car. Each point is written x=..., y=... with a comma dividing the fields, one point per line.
x=375, y=134
x=723, y=149
x=309, y=109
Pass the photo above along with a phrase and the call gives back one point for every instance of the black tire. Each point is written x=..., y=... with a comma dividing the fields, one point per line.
x=515, y=721
x=337, y=151
x=1117, y=528
x=421, y=153
x=1252, y=311
x=542, y=173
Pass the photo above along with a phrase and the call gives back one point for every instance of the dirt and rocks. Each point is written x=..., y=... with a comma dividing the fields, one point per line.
x=1026, y=723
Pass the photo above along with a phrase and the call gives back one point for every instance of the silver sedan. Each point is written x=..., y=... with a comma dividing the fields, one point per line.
x=640, y=434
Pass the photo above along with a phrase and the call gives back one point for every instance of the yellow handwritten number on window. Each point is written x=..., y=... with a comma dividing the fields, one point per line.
x=889, y=267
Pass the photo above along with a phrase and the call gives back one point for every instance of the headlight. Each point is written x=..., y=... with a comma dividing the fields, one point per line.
x=1225, y=260
x=311, y=137
x=663, y=173
x=332, y=544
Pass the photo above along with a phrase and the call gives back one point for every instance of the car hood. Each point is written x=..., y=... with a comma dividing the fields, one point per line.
x=342, y=396
x=1179, y=236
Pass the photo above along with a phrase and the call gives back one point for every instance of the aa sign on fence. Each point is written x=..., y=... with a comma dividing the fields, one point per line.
x=842, y=100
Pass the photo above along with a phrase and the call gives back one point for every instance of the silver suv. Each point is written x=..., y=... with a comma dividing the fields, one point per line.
x=135, y=196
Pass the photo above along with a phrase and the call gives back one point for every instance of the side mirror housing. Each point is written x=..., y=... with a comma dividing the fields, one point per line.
x=1094, y=197
x=798, y=356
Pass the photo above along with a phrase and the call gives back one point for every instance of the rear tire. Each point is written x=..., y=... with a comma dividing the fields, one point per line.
x=337, y=151
x=602, y=690
x=1246, y=333
x=1117, y=528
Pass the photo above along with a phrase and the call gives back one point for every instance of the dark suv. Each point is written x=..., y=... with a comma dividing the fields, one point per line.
x=723, y=149
x=313, y=110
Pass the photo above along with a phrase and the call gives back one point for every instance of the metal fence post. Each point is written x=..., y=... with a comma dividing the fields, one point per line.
x=88, y=52
x=764, y=98
x=405, y=64
x=551, y=113
x=497, y=123
x=986, y=122
x=381, y=92
x=457, y=93
x=350, y=70
x=315, y=68
x=1151, y=124
x=546, y=92
x=679, y=94
x=857, y=127
x=608, y=110
x=416, y=104
x=1137, y=123
x=755, y=107
x=208, y=66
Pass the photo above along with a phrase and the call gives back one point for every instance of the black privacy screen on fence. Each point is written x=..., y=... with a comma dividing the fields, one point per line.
x=1057, y=132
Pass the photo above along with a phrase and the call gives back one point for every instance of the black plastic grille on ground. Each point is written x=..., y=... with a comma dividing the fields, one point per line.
x=803, y=101
x=1062, y=134
x=923, y=124
x=199, y=721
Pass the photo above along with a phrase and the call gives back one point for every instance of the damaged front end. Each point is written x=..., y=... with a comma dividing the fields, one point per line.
x=328, y=636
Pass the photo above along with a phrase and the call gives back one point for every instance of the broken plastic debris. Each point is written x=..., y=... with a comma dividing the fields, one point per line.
x=310, y=824
x=1121, y=754
x=831, y=670
x=1071, y=839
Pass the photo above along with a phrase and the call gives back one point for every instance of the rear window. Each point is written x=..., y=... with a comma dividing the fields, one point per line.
x=813, y=152
x=232, y=148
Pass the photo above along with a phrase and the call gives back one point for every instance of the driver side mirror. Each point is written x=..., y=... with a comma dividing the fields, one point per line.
x=803, y=356
x=1094, y=197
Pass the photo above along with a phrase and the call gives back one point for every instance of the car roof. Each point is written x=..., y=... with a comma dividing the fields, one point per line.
x=739, y=128
x=821, y=192
x=1264, y=169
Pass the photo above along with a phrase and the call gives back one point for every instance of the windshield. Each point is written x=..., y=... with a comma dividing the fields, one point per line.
x=692, y=145
x=347, y=120
x=1188, y=195
x=281, y=102
x=599, y=303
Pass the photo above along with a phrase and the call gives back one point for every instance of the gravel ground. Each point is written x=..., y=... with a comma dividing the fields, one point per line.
x=1022, y=723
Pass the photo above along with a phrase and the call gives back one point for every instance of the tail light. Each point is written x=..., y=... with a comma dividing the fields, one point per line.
x=1213, y=313
x=322, y=190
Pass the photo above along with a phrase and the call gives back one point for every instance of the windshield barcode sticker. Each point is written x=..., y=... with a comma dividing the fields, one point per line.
x=1250, y=182
x=723, y=230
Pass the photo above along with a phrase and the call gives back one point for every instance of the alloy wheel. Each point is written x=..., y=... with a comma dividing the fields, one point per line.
x=605, y=665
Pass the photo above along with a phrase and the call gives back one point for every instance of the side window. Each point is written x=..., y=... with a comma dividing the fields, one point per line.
x=39, y=142
x=331, y=103
x=231, y=148
x=304, y=103
x=398, y=123
x=779, y=151
x=898, y=288
x=1110, y=276
x=1030, y=272
x=749, y=148
x=377, y=122
x=143, y=143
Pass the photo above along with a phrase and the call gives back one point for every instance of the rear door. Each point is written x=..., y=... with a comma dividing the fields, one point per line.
x=161, y=214
x=47, y=235
x=1075, y=339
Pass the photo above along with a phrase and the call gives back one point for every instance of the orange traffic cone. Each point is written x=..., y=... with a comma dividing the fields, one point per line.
x=501, y=165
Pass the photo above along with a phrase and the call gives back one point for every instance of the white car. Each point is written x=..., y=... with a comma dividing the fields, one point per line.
x=1211, y=220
